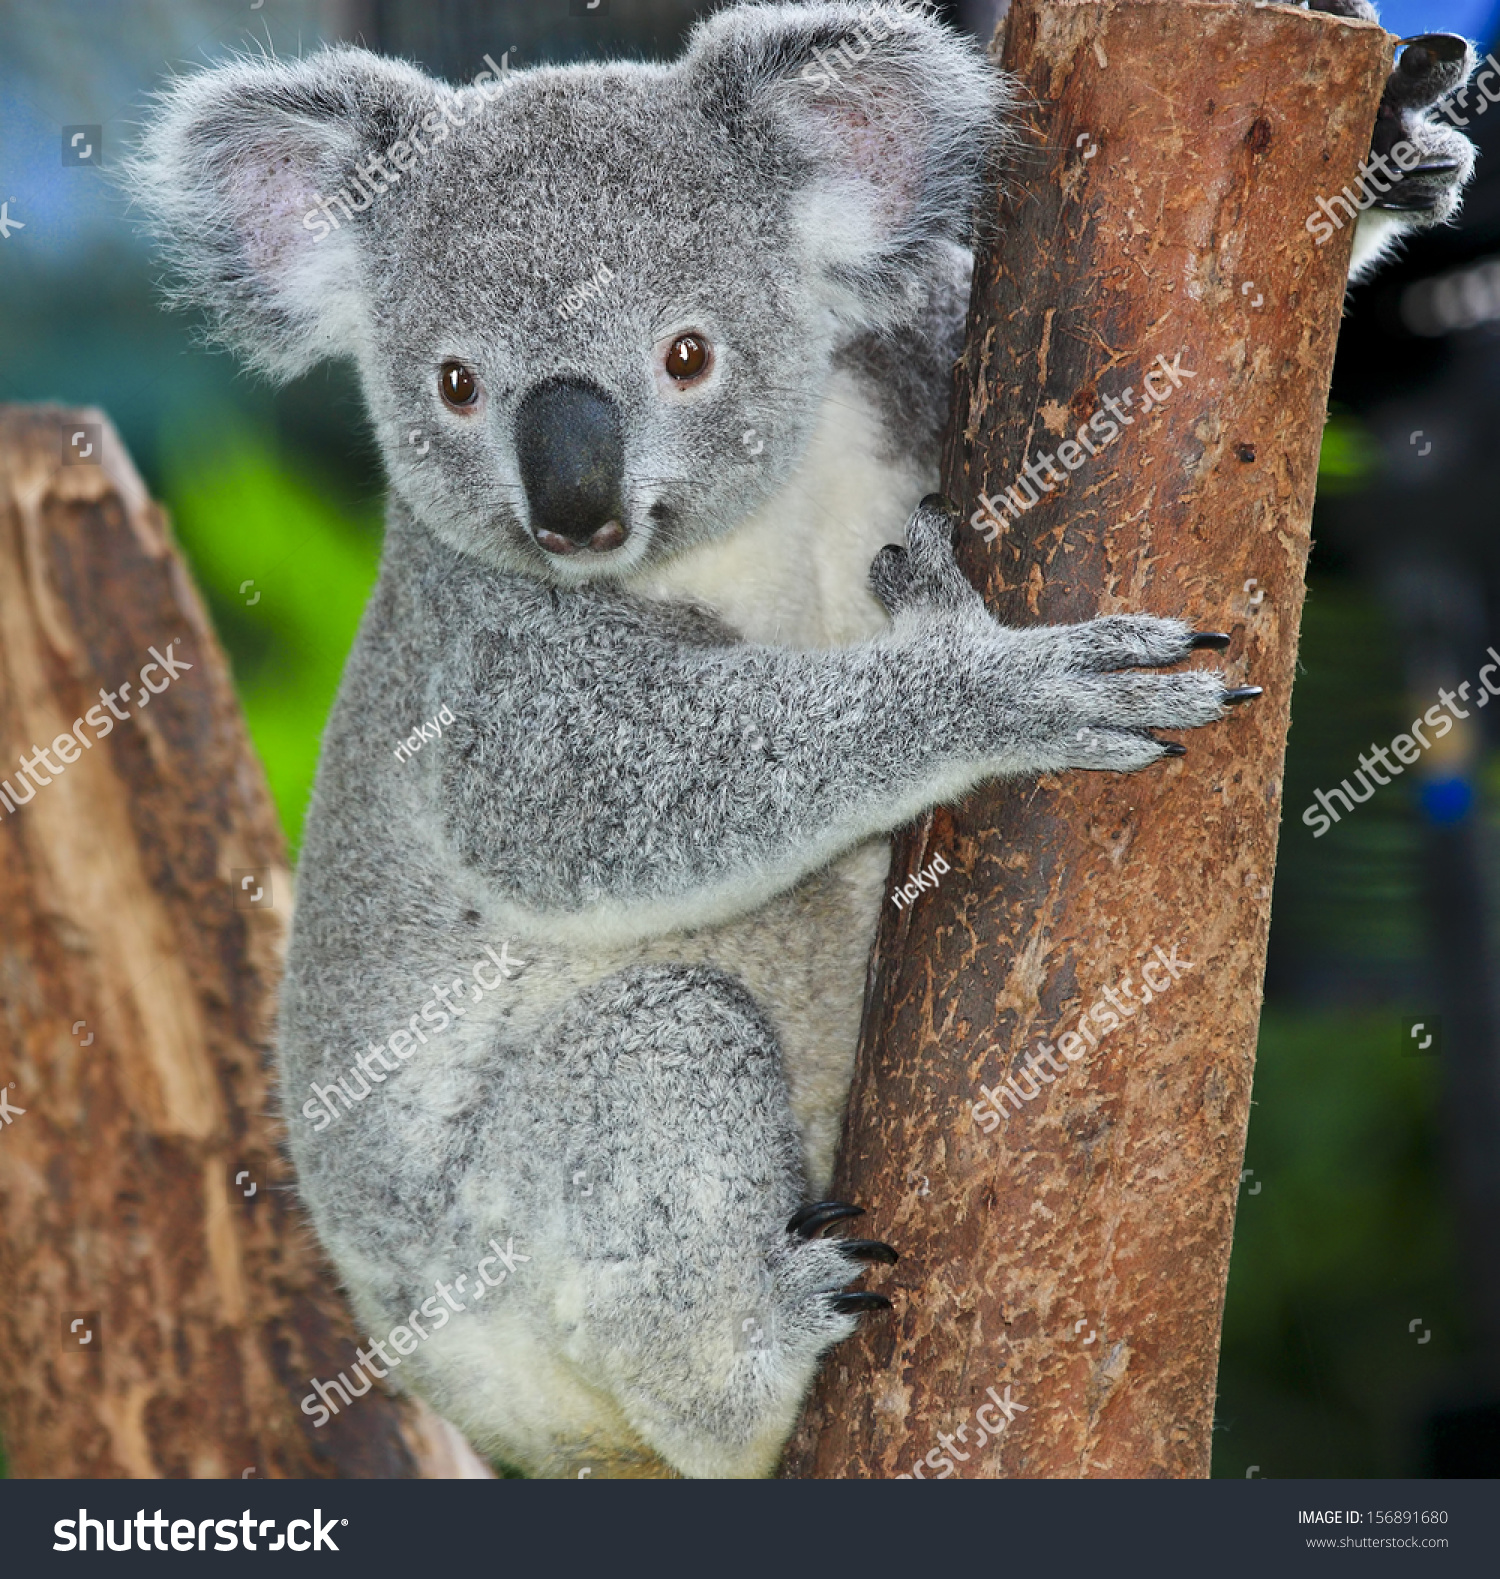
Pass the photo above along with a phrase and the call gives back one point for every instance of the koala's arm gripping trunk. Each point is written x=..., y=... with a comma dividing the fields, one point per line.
x=1068, y=1256
x=733, y=772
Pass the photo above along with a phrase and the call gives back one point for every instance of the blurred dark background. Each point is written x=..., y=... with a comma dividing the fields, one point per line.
x=1363, y=1328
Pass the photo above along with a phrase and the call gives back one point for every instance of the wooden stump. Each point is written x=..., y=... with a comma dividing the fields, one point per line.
x=162, y=1305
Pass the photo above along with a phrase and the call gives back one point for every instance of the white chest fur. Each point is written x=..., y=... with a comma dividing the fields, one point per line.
x=795, y=573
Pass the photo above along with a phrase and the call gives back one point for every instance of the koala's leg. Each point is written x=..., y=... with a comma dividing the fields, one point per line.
x=698, y=1306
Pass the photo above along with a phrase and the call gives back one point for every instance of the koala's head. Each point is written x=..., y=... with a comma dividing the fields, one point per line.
x=593, y=308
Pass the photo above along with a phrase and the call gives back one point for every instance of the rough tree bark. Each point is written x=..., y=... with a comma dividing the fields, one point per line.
x=142, y=1192
x=1071, y=1257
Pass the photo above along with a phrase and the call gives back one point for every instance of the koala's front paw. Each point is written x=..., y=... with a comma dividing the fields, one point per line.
x=924, y=573
x=1093, y=711
x=1057, y=696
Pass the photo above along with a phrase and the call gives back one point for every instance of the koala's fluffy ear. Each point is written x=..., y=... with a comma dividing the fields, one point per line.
x=230, y=171
x=879, y=120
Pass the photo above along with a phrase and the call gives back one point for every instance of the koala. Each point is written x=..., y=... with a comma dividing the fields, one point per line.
x=657, y=356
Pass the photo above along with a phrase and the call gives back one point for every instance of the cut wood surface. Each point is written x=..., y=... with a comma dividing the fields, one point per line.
x=1058, y=1304
x=144, y=1204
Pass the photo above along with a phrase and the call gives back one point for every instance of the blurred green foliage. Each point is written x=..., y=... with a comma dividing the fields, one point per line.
x=286, y=572
x=1349, y=457
x=1343, y=1237
x=1346, y=905
x=1350, y=1233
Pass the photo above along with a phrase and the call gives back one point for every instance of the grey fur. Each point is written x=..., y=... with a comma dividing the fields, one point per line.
x=671, y=773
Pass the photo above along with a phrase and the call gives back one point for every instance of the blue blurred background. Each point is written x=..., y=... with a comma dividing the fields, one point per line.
x=1363, y=1326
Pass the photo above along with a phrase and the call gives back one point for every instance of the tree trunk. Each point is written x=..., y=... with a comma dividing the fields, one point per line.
x=162, y=1305
x=1058, y=1304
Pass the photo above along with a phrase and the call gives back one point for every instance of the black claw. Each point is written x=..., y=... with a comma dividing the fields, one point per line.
x=857, y=1303
x=1416, y=206
x=1447, y=47
x=807, y=1220
x=1241, y=693
x=1218, y=640
x=869, y=1250
x=938, y=501
x=1170, y=748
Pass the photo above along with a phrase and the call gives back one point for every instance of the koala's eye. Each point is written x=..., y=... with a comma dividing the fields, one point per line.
x=458, y=384
x=687, y=357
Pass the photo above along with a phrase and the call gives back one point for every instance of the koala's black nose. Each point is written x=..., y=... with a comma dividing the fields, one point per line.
x=571, y=447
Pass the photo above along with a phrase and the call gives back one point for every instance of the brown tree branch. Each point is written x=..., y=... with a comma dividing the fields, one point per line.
x=1062, y=1284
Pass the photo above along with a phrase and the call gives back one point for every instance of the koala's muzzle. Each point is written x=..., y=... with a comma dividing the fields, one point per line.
x=571, y=447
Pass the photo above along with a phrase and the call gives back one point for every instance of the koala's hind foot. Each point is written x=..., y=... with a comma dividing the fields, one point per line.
x=808, y=1220
x=696, y=1295
x=1430, y=68
x=1428, y=192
